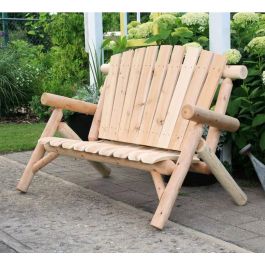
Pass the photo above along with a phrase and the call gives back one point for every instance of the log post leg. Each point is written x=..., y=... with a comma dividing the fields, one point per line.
x=39, y=150
x=180, y=171
x=159, y=183
x=221, y=174
x=67, y=132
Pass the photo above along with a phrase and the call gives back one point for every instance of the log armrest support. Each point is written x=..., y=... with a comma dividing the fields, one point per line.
x=214, y=119
x=66, y=103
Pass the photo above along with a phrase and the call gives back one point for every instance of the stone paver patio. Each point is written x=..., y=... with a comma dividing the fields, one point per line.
x=207, y=209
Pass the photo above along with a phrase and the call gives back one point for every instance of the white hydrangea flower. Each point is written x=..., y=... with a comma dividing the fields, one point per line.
x=132, y=33
x=256, y=45
x=233, y=56
x=200, y=19
x=263, y=77
x=191, y=44
x=166, y=21
x=112, y=44
x=247, y=17
x=144, y=30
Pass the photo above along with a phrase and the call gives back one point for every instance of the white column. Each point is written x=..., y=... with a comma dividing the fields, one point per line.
x=93, y=36
x=220, y=42
x=219, y=30
x=138, y=17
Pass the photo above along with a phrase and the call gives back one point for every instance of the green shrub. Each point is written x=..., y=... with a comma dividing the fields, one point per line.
x=67, y=59
x=19, y=75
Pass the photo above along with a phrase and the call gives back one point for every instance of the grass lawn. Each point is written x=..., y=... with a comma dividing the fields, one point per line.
x=19, y=137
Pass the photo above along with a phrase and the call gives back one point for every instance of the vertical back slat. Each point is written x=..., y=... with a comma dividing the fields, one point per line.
x=110, y=88
x=142, y=92
x=186, y=73
x=131, y=91
x=154, y=93
x=171, y=78
x=191, y=96
x=125, y=68
x=209, y=88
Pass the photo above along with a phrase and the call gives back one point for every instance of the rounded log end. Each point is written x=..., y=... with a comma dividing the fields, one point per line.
x=21, y=188
x=235, y=71
x=187, y=111
x=104, y=68
x=44, y=98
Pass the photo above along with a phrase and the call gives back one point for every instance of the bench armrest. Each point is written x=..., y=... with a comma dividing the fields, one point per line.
x=66, y=103
x=220, y=121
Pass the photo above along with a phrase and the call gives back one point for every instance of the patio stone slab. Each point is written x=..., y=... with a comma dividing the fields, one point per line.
x=59, y=216
x=207, y=209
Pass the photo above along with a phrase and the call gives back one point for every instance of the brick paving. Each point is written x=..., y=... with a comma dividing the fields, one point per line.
x=207, y=209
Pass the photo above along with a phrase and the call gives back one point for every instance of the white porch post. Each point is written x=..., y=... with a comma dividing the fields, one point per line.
x=220, y=42
x=138, y=16
x=219, y=29
x=93, y=36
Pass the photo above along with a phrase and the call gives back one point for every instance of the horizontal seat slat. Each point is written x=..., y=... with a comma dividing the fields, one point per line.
x=147, y=155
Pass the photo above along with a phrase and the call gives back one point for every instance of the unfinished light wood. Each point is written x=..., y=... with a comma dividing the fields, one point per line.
x=220, y=107
x=104, y=68
x=212, y=118
x=167, y=90
x=230, y=71
x=160, y=71
x=221, y=173
x=189, y=145
x=39, y=150
x=164, y=167
x=142, y=92
x=235, y=72
x=150, y=100
x=209, y=88
x=110, y=88
x=44, y=161
x=65, y=103
x=131, y=92
x=120, y=92
x=181, y=169
x=192, y=55
x=158, y=182
x=191, y=97
x=94, y=129
x=146, y=155
x=67, y=132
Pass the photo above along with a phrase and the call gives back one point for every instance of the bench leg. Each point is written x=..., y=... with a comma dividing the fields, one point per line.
x=67, y=132
x=39, y=150
x=221, y=174
x=176, y=180
x=159, y=183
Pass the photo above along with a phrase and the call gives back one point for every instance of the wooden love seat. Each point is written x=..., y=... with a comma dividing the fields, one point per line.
x=151, y=115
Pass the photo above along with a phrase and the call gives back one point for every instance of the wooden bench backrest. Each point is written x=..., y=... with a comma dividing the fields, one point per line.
x=146, y=88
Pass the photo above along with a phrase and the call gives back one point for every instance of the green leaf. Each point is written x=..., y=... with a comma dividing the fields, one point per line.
x=258, y=120
x=262, y=141
x=31, y=32
x=161, y=36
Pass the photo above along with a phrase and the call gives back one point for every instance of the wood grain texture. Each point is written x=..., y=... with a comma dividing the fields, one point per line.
x=142, y=92
x=154, y=94
x=169, y=84
x=120, y=92
x=110, y=88
x=193, y=92
x=131, y=92
x=192, y=55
